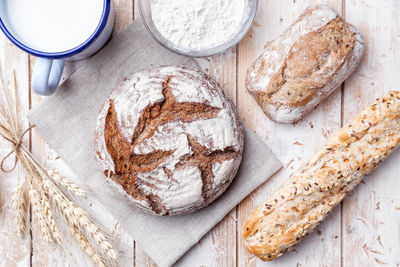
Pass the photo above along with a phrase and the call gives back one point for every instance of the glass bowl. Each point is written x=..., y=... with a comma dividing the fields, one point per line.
x=247, y=21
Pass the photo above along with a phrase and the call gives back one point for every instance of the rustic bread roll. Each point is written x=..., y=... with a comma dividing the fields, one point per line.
x=296, y=208
x=169, y=140
x=305, y=64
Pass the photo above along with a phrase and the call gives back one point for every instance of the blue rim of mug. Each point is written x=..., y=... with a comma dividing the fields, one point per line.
x=68, y=53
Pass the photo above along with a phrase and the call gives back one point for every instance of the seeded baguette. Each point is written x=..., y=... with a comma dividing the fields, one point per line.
x=297, y=207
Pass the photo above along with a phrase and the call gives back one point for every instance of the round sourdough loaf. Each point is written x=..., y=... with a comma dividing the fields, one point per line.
x=169, y=140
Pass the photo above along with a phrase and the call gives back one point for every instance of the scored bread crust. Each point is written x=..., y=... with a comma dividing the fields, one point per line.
x=298, y=206
x=169, y=140
x=305, y=64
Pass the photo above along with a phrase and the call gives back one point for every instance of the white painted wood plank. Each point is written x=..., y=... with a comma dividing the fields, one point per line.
x=293, y=144
x=141, y=259
x=218, y=247
x=371, y=222
x=363, y=222
x=13, y=251
x=45, y=254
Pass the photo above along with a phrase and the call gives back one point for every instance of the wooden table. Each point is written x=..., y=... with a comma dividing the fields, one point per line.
x=363, y=231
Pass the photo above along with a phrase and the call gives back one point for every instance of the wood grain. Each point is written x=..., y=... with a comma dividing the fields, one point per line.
x=13, y=251
x=291, y=143
x=367, y=233
x=218, y=247
x=371, y=222
x=62, y=256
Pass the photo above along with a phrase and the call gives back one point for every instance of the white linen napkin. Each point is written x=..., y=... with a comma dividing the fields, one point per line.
x=67, y=121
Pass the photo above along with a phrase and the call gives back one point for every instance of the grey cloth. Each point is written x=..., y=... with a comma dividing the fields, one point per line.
x=67, y=121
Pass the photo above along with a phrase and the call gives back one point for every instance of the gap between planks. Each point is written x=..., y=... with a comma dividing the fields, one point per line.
x=237, y=232
x=117, y=28
x=30, y=149
x=342, y=87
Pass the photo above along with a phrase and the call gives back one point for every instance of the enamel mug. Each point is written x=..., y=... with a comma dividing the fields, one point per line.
x=49, y=65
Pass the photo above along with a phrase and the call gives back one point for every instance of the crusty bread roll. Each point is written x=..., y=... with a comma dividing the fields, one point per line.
x=305, y=64
x=169, y=140
x=297, y=207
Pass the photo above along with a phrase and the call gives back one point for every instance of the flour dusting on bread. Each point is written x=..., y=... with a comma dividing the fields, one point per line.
x=160, y=135
x=305, y=64
x=305, y=199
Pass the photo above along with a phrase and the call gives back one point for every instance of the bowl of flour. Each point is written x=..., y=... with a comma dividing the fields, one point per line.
x=198, y=28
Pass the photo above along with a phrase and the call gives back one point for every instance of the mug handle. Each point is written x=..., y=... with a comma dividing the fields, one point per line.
x=46, y=75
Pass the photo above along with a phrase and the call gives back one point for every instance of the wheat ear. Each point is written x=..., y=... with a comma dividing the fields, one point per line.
x=42, y=184
x=18, y=209
x=66, y=184
x=81, y=218
x=48, y=214
x=78, y=217
x=85, y=245
x=39, y=214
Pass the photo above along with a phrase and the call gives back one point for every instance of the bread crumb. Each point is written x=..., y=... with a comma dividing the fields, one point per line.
x=380, y=262
x=380, y=241
x=325, y=133
x=289, y=163
x=363, y=221
x=365, y=249
x=368, y=249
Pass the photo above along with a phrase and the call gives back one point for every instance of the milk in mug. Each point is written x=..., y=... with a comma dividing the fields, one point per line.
x=52, y=25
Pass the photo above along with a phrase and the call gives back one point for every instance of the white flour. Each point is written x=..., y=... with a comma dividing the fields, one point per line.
x=198, y=24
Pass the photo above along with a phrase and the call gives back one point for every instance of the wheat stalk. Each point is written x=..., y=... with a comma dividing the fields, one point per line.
x=85, y=245
x=18, y=209
x=45, y=187
x=80, y=218
x=66, y=184
x=39, y=214
x=76, y=216
x=48, y=213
